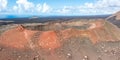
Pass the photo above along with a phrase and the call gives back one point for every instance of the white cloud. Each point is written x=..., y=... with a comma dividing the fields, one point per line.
x=46, y=8
x=43, y=8
x=25, y=6
x=3, y=4
x=102, y=6
x=98, y=7
x=38, y=7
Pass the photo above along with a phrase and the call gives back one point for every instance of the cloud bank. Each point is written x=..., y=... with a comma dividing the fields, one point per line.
x=27, y=7
x=99, y=7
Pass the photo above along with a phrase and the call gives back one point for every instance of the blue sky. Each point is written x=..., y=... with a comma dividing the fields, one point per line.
x=58, y=7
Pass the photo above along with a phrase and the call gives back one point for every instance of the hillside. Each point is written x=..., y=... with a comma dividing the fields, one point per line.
x=69, y=40
x=115, y=18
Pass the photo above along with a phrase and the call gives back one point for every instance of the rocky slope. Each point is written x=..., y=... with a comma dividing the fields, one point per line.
x=115, y=18
x=70, y=40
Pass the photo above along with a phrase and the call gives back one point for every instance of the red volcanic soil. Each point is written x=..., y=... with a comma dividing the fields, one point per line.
x=68, y=44
x=49, y=40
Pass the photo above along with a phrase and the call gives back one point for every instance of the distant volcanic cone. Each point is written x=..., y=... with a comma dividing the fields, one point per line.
x=115, y=18
x=42, y=42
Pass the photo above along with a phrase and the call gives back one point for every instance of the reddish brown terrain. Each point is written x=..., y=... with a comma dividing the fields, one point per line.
x=70, y=40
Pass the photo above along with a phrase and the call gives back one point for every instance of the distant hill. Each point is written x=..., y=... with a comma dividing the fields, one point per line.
x=5, y=22
x=115, y=18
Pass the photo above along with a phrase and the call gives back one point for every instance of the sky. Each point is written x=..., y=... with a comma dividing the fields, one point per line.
x=58, y=7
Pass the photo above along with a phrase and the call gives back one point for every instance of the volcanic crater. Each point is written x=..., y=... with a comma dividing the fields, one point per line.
x=69, y=40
